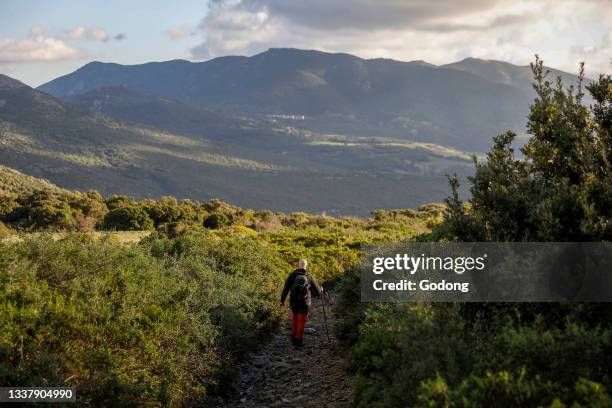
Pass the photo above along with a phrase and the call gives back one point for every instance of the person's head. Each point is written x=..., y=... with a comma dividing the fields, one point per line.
x=303, y=264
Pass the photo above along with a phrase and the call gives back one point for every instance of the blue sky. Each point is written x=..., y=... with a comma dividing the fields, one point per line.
x=41, y=40
x=144, y=24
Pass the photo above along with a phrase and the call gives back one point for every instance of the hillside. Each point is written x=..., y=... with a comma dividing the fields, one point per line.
x=505, y=73
x=14, y=181
x=261, y=164
x=176, y=116
x=461, y=105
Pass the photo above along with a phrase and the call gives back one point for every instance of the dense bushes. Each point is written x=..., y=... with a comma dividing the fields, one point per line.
x=429, y=355
x=480, y=355
x=508, y=390
x=71, y=211
x=165, y=320
x=128, y=218
x=215, y=221
x=150, y=324
x=561, y=190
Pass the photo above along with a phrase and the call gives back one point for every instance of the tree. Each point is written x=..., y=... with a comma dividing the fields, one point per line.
x=561, y=190
x=128, y=218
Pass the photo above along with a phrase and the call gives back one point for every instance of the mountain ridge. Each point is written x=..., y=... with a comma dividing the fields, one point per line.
x=255, y=163
x=462, y=105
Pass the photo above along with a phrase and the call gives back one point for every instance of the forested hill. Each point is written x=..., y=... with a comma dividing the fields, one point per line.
x=189, y=151
x=460, y=105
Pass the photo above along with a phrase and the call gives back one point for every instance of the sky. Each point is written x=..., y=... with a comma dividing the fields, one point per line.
x=41, y=40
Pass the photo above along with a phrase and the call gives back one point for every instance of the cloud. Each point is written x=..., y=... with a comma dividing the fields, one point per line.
x=84, y=33
x=37, y=46
x=177, y=33
x=337, y=15
x=604, y=48
x=438, y=32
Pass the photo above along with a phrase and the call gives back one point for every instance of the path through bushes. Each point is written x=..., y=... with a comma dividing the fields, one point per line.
x=280, y=376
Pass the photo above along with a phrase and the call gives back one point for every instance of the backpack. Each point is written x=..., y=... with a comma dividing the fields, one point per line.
x=300, y=288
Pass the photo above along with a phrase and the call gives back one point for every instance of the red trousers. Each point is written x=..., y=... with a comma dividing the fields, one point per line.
x=298, y=321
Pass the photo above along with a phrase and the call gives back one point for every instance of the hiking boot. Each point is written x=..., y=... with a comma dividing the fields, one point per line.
x=299, y=344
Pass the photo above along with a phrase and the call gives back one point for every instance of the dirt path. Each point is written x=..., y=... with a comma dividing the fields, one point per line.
x=280, y=376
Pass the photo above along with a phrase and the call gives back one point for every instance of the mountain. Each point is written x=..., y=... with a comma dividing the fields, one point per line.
x=461, y=105
x=505, y=73
x=130, y=105
x=254, y=163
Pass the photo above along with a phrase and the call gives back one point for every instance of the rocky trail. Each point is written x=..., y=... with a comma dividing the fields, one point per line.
x=280, y=376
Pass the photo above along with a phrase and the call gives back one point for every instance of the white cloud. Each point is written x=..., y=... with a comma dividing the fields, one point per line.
x=438, y=32
x=604, y=49
x=177, y=33
x=84, y=33
x=37, y=46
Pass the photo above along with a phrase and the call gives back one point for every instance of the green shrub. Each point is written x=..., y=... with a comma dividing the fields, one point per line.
x=90, y=210
x=215, y=221
x=450, y=356
x=492, y=389
x=402, y=345
x=168, y=210
x=116, y=201
x=53, y=214
x=508, y=390
x=8, y=205
x=561, y=190
x=159, y=323
x=129, y=218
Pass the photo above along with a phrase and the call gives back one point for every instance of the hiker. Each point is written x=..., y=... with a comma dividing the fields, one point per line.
x=299, y=285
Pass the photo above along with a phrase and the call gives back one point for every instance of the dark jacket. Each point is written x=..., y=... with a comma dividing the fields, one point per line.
x=302, y=305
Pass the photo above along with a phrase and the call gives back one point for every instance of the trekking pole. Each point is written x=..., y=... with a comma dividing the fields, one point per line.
x=325, y=317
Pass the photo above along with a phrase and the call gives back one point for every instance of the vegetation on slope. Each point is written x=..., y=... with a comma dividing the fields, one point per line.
x=455, y=105
x=480, y=355
x=172, y=148
x=13, y=181
x=163, y=321
x=156, y=323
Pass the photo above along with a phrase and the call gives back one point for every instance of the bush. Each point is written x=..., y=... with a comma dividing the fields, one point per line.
x=474, y=355
x=116, y=201
x=8, y=205
x=53, y=214
x=508, y=390
x=130, y=218
x=91, y=210
x=215, y=221
x=159, y=323
x=402, y=345
x=492, y=389
x=561, y=190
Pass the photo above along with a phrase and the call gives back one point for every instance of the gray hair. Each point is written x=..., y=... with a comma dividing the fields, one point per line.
x=303, y=264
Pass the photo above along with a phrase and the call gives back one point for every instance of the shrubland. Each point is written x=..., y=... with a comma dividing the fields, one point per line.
x=162, y=321
x=481, y=355
x=155, y=323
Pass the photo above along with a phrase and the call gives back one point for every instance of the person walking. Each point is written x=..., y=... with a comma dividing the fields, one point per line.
x=300, y=285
